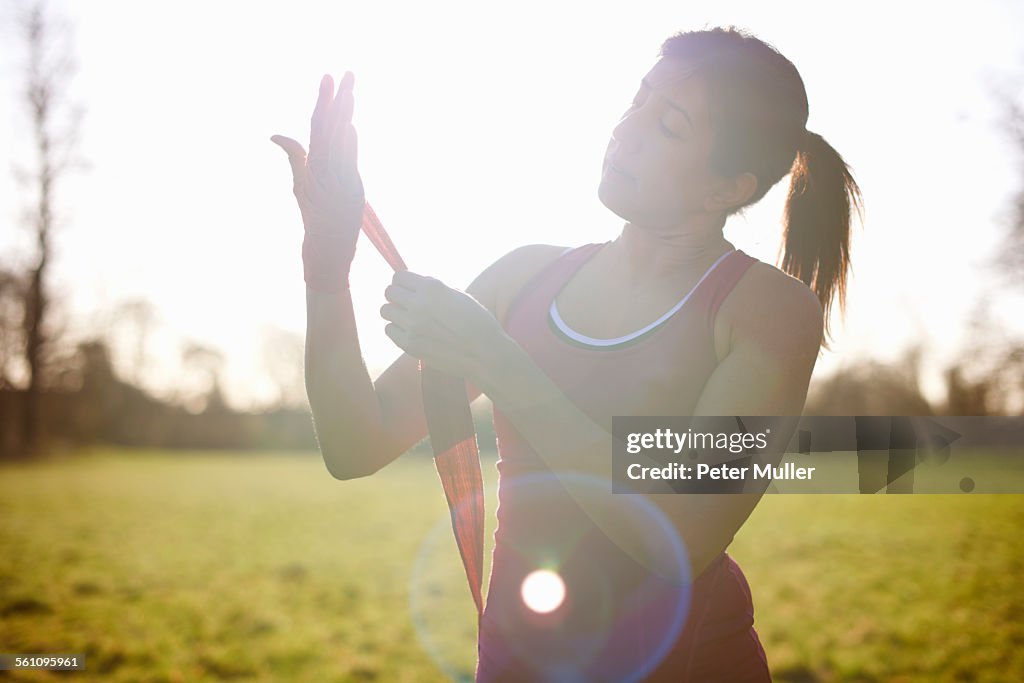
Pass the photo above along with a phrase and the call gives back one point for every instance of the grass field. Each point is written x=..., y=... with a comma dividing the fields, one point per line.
x=200, y=566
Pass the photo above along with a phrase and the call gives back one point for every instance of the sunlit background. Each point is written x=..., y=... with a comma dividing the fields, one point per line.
x=482, y=128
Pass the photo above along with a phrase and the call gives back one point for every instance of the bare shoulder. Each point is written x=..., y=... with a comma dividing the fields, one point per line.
x=772, y=310
x=497, y=286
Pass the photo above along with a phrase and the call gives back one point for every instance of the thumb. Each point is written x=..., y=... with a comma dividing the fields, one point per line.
x=296, y=155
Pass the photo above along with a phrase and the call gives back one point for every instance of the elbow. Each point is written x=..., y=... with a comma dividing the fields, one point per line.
x=343, y=467
x=342, y=473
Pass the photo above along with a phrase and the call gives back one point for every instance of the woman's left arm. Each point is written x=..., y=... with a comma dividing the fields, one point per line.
x=774, y=342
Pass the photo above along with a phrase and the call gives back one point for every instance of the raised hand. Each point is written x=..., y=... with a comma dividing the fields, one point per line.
x=327, y=186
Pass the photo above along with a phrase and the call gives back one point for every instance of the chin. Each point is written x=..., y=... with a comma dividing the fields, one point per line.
x=613, y=200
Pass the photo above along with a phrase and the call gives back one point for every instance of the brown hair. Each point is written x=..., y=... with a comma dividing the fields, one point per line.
x=759, y=114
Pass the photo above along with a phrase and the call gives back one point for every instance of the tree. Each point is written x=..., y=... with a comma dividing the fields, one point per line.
x=55, y=125
x=135, y=319
x=12, y=298
x=1010, y=256
x=283, y=353
x=869, y=387
x=203, y=363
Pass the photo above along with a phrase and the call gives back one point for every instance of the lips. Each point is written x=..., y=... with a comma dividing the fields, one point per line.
x=619, y=170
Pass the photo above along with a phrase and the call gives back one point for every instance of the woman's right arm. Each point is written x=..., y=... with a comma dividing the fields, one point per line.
x=359, y=427
x=363, y=425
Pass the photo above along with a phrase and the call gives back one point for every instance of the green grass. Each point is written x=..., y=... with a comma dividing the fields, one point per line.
x=203, y=566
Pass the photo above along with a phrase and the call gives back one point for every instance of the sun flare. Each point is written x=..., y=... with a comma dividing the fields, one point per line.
x=543, y=591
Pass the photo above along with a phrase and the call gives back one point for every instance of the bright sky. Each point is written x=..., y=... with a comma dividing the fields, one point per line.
x=482, y=128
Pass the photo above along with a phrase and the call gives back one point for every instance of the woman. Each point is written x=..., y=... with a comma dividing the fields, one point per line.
x=667, y=319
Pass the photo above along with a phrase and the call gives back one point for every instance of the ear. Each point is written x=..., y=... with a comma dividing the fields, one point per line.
x=731, y=192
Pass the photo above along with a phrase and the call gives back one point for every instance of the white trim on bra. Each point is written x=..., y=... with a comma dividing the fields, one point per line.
x=593, y=341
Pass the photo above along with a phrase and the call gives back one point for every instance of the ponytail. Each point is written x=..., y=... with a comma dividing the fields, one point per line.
x=759, y=108
x=816, y=224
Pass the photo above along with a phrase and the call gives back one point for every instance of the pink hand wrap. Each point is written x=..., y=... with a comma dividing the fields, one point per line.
x=452, y=438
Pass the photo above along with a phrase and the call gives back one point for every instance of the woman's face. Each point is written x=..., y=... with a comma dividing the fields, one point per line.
x=655, y=171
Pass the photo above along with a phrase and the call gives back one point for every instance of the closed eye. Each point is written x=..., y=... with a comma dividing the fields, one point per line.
x=666, y=131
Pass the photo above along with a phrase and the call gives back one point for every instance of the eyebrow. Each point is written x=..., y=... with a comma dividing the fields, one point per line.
x=672, y=104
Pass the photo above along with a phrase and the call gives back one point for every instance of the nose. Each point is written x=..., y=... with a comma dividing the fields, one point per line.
x=625, y=132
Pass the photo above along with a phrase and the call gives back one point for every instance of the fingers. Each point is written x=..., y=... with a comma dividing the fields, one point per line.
x=396, y=314
x=418, y=329
x=410, y=280
x=415, y=315
x=397, y=294
x=344, y=153
x=341, y=106
x=323, y=106
x=438, y=353
x=345, y=87
x=344, y=144
x=296, y=156
x=319, y=124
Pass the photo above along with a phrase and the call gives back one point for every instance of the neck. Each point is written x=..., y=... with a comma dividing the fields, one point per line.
x=651, y=257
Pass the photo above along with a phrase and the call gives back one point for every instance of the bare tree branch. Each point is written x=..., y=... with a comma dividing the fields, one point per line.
x=55, y=124
x=1010, y=256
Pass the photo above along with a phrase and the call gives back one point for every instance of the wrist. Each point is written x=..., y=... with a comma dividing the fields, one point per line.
x=326, y=258
x=502, y=378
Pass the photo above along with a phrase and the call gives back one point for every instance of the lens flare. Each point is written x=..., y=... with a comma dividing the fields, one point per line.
x=543, y=591
x=440, y=604
x=615, y=620
x=563, y=602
